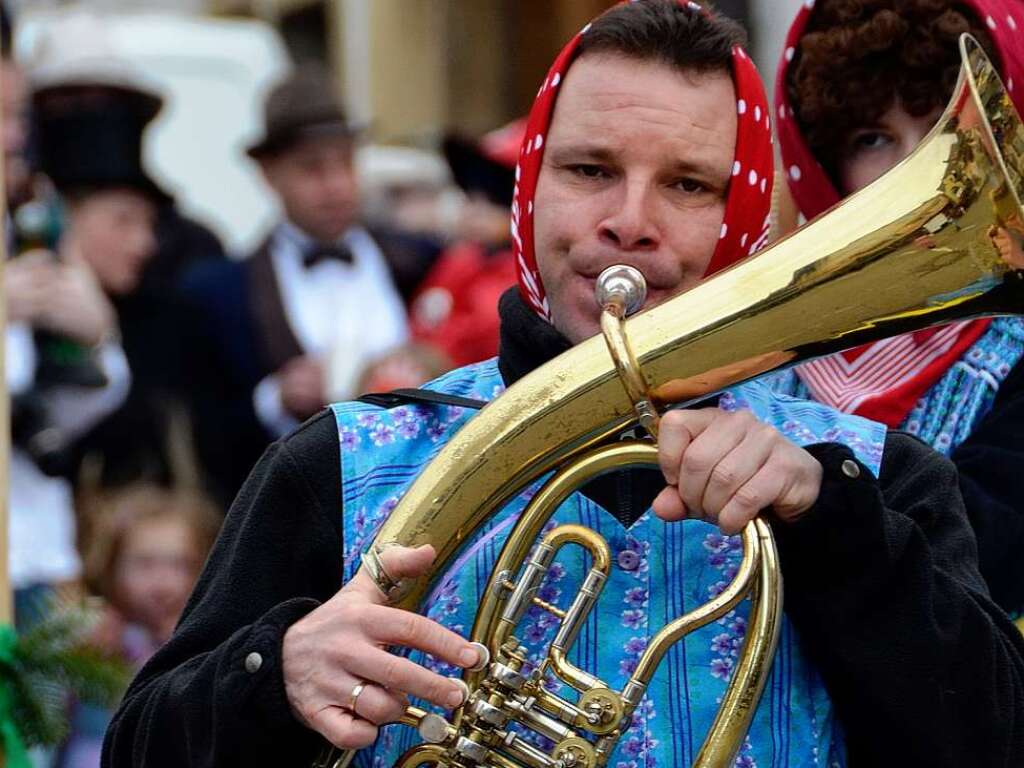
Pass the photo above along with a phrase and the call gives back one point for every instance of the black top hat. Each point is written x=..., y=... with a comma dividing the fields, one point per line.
x=305, y=105
x=95, y=148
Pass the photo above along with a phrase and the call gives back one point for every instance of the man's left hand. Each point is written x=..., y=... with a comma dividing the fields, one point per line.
x=726, y=467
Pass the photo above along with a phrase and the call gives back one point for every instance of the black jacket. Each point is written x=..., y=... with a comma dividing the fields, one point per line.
x=881, y=582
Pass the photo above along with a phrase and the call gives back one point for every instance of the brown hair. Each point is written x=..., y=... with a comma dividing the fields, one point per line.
x=118, y=513
x=668, y=32
x=857, y=57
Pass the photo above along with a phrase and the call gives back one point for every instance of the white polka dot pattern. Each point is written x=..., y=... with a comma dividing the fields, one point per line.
x=747, y=205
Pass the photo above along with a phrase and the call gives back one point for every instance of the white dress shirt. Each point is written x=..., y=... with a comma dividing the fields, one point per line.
x=346, y=314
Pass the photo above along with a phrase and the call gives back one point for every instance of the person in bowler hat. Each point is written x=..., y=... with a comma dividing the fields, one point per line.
x=283, y=332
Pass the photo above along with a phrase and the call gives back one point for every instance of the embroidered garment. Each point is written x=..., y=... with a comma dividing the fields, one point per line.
x=659, y=572
x=885, y=380
x=950, y=410
x=746, y=224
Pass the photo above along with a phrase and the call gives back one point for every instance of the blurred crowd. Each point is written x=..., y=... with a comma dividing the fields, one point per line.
x=149, y=368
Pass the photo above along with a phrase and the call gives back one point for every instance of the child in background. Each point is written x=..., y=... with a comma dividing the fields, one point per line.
x=146, y=546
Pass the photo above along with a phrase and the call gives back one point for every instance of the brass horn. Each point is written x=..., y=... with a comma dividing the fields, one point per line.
x=937, y=239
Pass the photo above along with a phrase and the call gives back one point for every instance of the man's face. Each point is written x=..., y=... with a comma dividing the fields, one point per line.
x=636, y=169
x=15, y=127
x=317, y=185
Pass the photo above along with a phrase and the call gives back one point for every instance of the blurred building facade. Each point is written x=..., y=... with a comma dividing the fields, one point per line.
x=414, y=68
x=411, y=70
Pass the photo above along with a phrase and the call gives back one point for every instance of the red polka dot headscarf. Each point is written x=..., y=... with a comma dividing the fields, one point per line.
x=746, y=223
x=883, y=381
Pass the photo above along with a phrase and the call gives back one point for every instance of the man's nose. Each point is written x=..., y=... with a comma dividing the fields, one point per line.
x=630, y=221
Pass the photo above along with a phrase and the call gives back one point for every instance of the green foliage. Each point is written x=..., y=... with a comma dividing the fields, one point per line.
x=52, y=662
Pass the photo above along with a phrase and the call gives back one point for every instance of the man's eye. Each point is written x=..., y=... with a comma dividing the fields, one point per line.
x=588, y=171
x=690, y=185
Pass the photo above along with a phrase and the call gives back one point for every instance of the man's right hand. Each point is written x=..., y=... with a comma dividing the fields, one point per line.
x=341, y=644
x=303, y=386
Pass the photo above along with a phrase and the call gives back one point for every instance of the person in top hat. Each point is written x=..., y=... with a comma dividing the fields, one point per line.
x=65, y=371
x=92, y=108
x=277, y=335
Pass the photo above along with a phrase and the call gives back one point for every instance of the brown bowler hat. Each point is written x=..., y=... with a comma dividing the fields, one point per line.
x=304, y=105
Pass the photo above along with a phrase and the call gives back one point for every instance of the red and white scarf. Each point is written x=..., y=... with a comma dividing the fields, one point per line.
x=746, y=222
x=883, y=381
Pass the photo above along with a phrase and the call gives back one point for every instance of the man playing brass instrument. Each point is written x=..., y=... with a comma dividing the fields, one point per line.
x=648, y=145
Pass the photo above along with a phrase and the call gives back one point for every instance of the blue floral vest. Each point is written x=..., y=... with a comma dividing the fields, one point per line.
x=661, y=571
x=953, y=406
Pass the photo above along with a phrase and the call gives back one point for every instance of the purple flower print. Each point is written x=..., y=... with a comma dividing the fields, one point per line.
x=382, y=434
x=723, y=644
x=348, y=438
x=549, y=593
x=738, y=626
x=715, y=543
x=627, y=666
x=640, y=547
x=643, y=713
x=639, y=746
x=745, y=761
x=717, y=588
x=367, y=420
x=551, y=684
x=556, y=572
x=718, y=559
x=633, y=619
x=435, y=431
x=534, y=633
x=721, y=667
x=635, y=646
x=832, y=435
x=636, y=597
x=361, y=518
x=407, y=430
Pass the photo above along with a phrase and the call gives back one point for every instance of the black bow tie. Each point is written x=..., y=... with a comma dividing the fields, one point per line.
x=320, y=252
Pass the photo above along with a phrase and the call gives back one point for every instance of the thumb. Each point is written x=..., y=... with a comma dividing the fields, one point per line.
x=398, y=563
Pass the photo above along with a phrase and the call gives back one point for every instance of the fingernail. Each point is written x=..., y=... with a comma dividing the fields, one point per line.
x=469, y=657
x=456, y=698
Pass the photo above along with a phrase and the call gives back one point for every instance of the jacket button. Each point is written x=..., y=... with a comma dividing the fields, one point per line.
x=850, y=468
x=629, y=560
x=253, y=662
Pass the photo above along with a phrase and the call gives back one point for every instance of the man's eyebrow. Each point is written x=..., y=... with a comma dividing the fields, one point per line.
x=597, y=153
x=580, y=153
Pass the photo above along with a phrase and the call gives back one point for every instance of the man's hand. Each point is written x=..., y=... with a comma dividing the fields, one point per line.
x=303, y=386
x=341, y=644
x=726, y=467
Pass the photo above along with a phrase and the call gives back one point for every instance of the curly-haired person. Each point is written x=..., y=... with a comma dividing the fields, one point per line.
x=861, y=83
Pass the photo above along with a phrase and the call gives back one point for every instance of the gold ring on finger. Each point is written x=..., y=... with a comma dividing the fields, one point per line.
x=353, y=699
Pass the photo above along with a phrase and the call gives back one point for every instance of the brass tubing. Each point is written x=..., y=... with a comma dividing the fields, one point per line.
x=528, y=585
